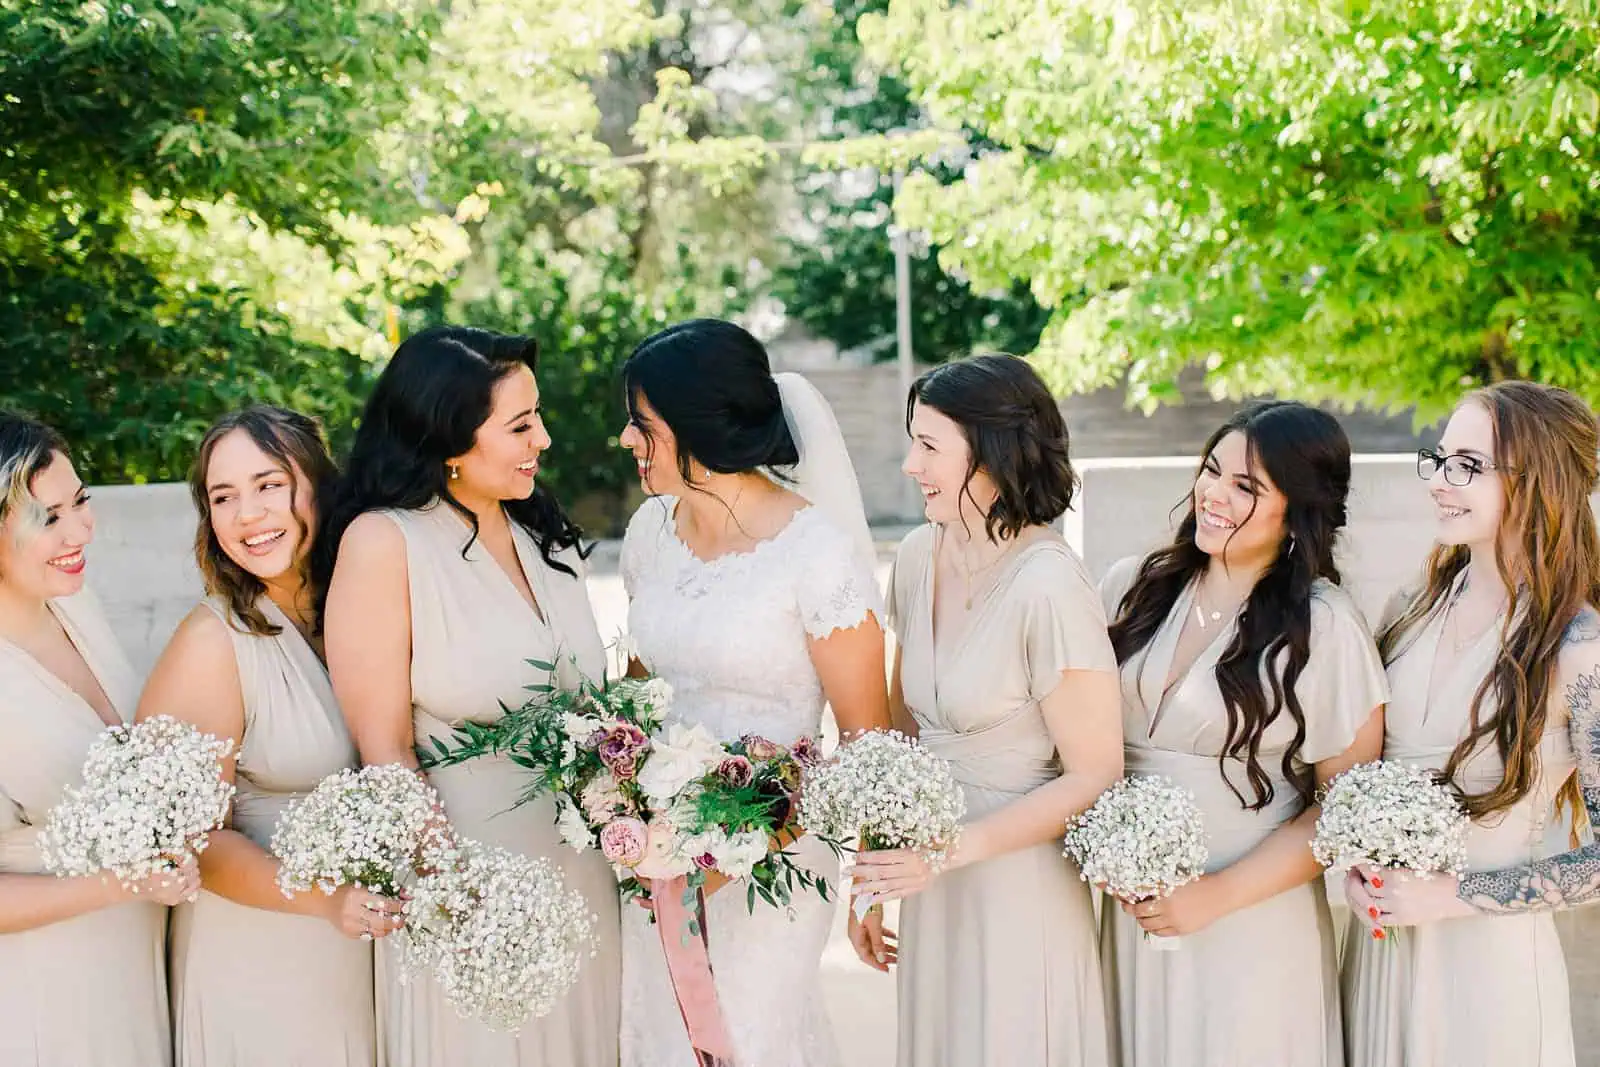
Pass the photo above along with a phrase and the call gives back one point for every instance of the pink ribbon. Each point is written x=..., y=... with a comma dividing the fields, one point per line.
x=689, y=965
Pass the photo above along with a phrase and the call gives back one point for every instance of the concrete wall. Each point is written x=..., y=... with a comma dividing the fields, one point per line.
x=868, y=403
x=140, y=566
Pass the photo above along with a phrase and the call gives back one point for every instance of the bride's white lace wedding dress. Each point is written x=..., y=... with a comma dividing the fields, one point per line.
x=730, y=636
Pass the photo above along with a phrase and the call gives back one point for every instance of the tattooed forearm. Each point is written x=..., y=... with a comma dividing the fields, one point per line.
x=1571, y=878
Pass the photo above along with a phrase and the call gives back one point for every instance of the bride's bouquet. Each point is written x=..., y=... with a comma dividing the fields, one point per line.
x=1142, y=839
x=665, y=804
x=661, y=802
x=150, y=795
x=500, y=932
x=886, y=791
x=1391, y=815
x=367, y=828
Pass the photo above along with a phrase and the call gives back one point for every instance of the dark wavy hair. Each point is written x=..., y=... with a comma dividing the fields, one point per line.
x=1545, y=444
x=425, y=409
x=296, y=442
x=1307, y=456
x=1014, y=432
x=711, y=384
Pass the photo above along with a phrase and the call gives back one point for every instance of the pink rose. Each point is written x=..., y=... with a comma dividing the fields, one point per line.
x=623, y=841
x=736, y=771
x=759, y=748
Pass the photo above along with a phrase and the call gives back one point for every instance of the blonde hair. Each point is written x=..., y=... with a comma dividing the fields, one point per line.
x=1548, y=557
x=27, y=447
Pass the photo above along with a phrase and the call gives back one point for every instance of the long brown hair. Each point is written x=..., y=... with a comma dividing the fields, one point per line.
x=1307, y=455
x=294, y=440
x=1548, y=558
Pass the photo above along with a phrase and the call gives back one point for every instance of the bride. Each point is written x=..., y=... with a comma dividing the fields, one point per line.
x=751, y=588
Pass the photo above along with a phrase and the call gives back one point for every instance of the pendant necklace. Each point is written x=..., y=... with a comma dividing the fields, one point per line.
x=1200, y=612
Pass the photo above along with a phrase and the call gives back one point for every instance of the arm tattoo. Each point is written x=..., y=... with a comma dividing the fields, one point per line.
x=1572, y=878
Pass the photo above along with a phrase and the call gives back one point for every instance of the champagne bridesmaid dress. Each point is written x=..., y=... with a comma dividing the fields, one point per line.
x=1259, y=986
x=1480, y=991
x=998, y=961
x=472, y=635
x=255, y=988
x=89, y=991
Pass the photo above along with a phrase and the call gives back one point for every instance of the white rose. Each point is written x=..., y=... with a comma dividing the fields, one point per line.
x=574, y=831
x=662, y=856
x=678, y=756
x=658, y=694
x=739, y=853
x=579, y=727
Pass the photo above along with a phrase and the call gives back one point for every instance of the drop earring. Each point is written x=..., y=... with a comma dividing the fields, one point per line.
x=455, y=474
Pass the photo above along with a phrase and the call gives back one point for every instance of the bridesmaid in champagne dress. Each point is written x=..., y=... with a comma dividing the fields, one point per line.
x=1004, y=669
x=454, y=572
x=1243, y=606
x=82, y=975
x=1503, y=636
x=243, y=665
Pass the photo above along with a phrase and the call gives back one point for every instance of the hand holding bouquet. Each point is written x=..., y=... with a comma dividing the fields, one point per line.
x=888, y=792
x=150, y=795
x=1142, y=839
x=1391, y=816
x=368, y=829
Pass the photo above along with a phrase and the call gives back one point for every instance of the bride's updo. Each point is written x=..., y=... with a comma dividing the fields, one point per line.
x=710, y=383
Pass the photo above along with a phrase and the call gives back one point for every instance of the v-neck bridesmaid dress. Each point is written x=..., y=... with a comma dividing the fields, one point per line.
x=472, y=635
x=1259, y=986
x=89, y=991
x=998, y=962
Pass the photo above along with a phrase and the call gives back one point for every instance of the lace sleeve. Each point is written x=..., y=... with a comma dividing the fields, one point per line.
x=642, y=539
x=1572, y=878
x=833, y=589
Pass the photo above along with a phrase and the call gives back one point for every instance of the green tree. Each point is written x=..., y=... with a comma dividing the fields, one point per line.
x=1381, y=203
x=836, y=275
x=203, y=203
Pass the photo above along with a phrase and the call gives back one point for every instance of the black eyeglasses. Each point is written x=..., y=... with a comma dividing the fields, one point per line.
x=1458, y=470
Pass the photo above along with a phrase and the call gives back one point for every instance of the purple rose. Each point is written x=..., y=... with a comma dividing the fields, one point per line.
x=736, y=771
x=806, y=751
x=759, y=748
x=620, y=750
x=706, y=861
x=622, y=841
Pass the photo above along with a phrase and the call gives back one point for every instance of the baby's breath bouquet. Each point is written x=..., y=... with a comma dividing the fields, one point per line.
x=151, y=793
x=886, y=791
x=365, y=828
x=1391, y=815
x=1142, y=839
x=500, y=932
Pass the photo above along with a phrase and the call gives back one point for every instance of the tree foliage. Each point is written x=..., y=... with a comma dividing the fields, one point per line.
x=1379, y=202
x=204, y=202
x=836, y=275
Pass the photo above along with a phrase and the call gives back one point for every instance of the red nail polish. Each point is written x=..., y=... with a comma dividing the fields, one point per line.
x=1373, y=911
x=1378, y=882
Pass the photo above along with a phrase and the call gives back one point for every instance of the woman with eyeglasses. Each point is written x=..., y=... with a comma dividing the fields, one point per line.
x=1494, y=667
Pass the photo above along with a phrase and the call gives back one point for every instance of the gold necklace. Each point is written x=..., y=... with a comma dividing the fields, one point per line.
x=1201, y=612
x=968, y=575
